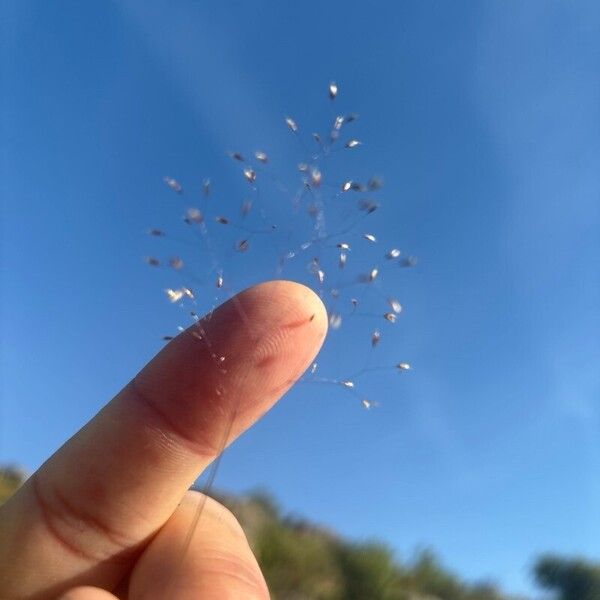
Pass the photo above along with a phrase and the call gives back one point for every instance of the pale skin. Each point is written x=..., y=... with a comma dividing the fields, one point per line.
x=107, y=516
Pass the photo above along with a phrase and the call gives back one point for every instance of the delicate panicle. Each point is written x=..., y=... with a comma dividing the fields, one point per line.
x=333, y=90
x=173, y=184
x=321, y=210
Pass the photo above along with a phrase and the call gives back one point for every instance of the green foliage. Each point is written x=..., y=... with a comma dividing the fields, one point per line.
x=570, y=579
x=11, y=478
x=303, y=562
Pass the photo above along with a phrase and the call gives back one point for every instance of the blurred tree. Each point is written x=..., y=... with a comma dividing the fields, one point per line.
x=569, y=578
x=11, y=478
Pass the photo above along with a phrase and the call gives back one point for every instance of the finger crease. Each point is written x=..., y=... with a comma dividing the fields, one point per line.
x=61, y=524
x=201, y=448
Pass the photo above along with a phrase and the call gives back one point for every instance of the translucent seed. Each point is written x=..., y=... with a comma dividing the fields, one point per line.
x=373, y=274
x=153, y=262
x=391, y=317
x=343, y=246
x=187, y=292
x=347, y=384
x=313, y=368
x=375, y=337
x=206, y=187
x=368, y=206
x=343, y=259
x=409, y=261
x=261, y=156
x=403, y=366
x=222, y=220
x=347, y=185
x=375, y=183
x=315, y=177
x=317, y=138
x=302, y=167
x=320, y=275
x=395, y=305
x=351, y=117
x=167, y=338
x=236, y=156
x=173, y=184
x=193, y=215
x=366, y=403
x=176, y=263
x=291, y=124
x=174, y=295
x=156, y=232
x=242, y=245
x=337, y=124
x=219, y=281
x=335, y=320
x=246, y=207
x=393, y=253
x=354, y=302
x=353, y=143
x=369, y=237
x=333, y=90
x=250, y=175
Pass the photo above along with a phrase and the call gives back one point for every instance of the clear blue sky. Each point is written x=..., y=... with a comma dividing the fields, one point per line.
x=484, y=119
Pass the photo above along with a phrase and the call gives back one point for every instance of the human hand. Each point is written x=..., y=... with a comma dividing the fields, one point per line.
x=110, y=509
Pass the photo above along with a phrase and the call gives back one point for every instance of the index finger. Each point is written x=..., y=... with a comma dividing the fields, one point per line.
x=92, y=506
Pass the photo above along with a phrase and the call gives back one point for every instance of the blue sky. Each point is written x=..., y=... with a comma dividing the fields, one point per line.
x=484, y=121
